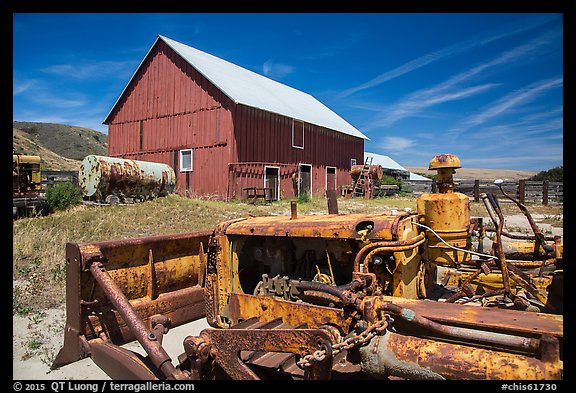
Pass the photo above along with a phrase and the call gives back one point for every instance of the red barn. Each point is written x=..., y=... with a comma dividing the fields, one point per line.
x=224, y=128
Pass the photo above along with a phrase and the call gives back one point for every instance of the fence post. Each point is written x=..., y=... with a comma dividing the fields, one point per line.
x=332, y=201
x=545, y=192
x=476, y=190
x=522, y=190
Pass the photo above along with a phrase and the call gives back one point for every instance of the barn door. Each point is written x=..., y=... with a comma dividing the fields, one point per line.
x=330, y=178
x=272, y=181
x=305, y=183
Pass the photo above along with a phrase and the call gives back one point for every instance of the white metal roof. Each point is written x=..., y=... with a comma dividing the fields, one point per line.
x=384, y=161
x=251, y=89
x=417, y=177
x=388, y=163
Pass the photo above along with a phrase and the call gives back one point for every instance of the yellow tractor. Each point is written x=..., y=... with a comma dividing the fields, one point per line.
x=26, y=185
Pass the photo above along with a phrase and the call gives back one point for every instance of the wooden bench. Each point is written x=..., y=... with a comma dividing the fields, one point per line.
x=253, y=194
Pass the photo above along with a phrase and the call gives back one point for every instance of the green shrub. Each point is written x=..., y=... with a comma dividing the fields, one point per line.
x=387, y=180
x=304, y=198
x=554, y=174
x=61, y=196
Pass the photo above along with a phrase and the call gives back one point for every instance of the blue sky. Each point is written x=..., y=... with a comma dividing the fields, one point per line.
x=487, y=87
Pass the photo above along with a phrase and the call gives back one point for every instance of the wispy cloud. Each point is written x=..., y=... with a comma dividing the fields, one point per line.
x=446, y=52
x=276, y=70
x=449, y=89
x=91, y=70
x=507, y=102
x=396, y=143
x=518, y=130
x=34, y=92
x=21, y=87
x=420, y=100
x=553, y=157
x=55, y=100
x=559, y=110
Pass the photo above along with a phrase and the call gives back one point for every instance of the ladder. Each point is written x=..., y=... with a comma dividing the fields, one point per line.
x=363, y=179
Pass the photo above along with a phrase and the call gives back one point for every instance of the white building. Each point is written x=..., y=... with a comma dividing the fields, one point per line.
x=392, y=168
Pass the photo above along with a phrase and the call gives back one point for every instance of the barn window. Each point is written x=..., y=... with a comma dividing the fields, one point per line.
x=297, y=134
x=352, y=162
x=186, y=160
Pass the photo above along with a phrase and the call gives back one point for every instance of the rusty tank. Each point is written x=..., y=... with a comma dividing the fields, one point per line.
x=375, y=172
x=326, y=296
x=101, y=176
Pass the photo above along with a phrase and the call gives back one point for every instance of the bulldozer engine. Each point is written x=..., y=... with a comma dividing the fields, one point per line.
x=397, y=295
x=26, y=179
x=27, y=195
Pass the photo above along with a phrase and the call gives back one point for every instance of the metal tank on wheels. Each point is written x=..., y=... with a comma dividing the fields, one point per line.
x=100, y=177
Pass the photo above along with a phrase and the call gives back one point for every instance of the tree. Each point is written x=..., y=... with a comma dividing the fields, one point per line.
x=554, y=174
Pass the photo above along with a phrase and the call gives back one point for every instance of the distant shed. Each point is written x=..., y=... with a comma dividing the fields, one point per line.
x=392, y=168
x=224, y=129
x=389, y=166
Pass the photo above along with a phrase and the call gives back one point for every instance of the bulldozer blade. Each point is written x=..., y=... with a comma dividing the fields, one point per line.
x=159, y=275
x=119, y=363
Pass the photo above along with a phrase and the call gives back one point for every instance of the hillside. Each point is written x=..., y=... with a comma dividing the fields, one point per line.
x=50, y=160
x=477, y=173
x=62, y=147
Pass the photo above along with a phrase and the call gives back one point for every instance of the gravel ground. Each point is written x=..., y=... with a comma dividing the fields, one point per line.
x=48, y=332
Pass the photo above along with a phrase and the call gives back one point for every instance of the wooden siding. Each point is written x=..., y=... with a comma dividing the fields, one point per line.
x=264, y=138
x=169, y=106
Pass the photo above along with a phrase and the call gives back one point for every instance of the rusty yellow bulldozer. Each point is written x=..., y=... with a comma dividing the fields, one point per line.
x=423, y=294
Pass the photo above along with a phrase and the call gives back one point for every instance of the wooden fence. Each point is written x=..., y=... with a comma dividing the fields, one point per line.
x=53, y=177
x=525, y=191
x=416, y=187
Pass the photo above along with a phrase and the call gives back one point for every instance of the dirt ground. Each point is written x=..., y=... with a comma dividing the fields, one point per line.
x=38, y=338
x=50, y=332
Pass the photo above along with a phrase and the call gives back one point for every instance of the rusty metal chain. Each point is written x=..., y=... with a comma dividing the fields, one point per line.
x=349, y=343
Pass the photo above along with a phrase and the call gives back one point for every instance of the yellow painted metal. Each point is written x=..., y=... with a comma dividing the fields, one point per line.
x=26, y=174
x=405, y=281
x=324, y=226
x=171, y=275
x=448, y=214
x=444, y=161
x=26, y=159
x=266, y=309
x=521, y=247
x=489, y=282
x=454, y=361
